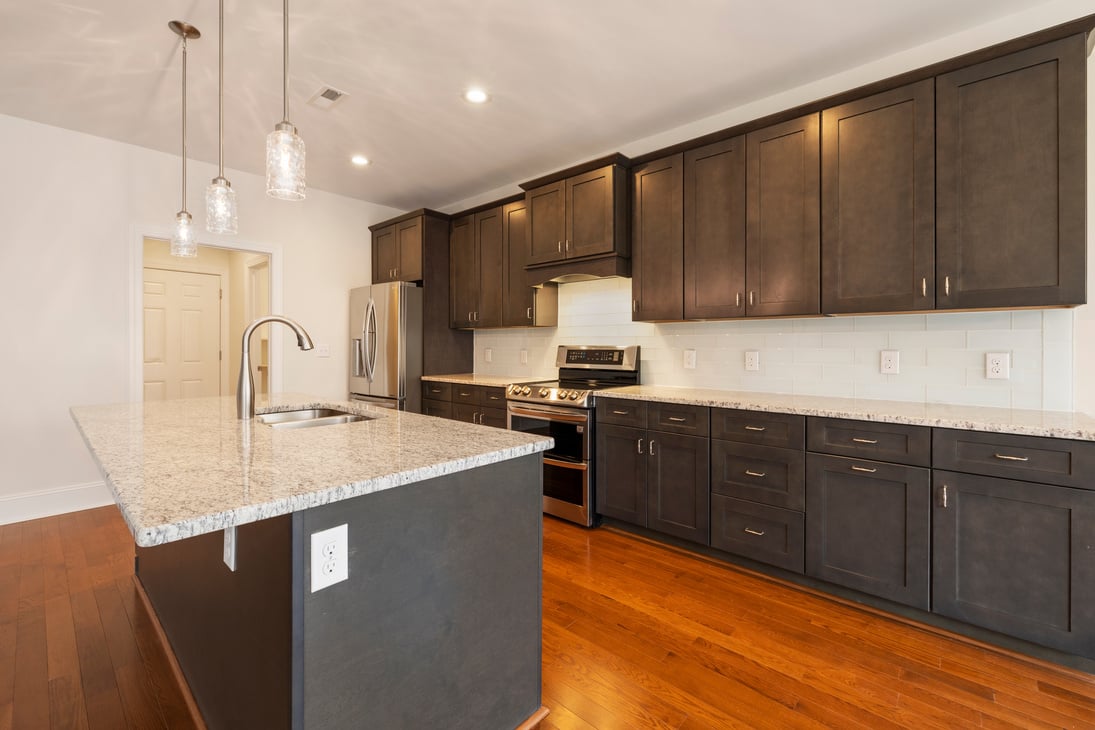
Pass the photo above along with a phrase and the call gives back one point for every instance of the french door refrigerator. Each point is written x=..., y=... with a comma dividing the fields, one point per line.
x=386, y=345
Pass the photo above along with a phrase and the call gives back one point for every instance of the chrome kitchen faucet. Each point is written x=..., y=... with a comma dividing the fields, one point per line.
x=245, y=392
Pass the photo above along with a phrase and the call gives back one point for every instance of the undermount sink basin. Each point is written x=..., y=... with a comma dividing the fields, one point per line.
x=309, y=418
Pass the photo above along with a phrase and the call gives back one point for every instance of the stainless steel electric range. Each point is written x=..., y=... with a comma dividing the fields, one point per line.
x=564, y=410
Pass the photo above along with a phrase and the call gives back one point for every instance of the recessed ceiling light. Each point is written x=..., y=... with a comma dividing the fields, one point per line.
x=360, y=160
x=476, y=96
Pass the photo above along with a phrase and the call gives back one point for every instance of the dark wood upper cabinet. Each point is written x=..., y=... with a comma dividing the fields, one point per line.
x=657, y=231
x=476, y=269
x=714, y=231
x=523, y=305
x=1010, y=136
x=878, y=202
x=782, y=219
x=579, y=216
x=397, y=251
x=385, y=254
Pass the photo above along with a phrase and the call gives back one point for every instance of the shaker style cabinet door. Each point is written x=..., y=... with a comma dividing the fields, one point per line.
x=679, y=486
x=1010, y=184
x=409, y=240
x=517, y=298
x=657, y=245
x=878, y=202
x=783, y=235
x=714, y=231
x=621, y=473
x=385, y=254
x=591, y=211
x=546, y=223
x=488, y=258
x=464, y=280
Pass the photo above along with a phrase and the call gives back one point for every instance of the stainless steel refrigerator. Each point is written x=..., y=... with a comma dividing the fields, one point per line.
x=386, y=345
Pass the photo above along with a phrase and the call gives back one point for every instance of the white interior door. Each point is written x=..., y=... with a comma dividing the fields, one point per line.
x=181, y=334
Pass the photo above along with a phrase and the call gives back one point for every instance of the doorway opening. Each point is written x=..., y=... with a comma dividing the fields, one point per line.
x=193, y=314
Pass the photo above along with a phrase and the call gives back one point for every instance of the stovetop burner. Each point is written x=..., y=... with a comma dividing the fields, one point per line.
x=581, y=371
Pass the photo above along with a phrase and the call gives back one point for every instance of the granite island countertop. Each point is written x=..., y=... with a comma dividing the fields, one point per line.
x=1057, y=424
x=187, y=467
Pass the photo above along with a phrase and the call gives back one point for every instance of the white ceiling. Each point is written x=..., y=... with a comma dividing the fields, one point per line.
x=569, y=79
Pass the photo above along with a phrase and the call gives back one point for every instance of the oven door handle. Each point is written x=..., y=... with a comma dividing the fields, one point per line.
x=576, y=465
x=566, y=416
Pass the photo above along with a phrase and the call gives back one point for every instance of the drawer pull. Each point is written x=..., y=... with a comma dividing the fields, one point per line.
x=620, y=413
x=864, y=469
x=639, y=445
x=865, y=441
x=1005, y=457
x=756, y=428
x=751, y=473
x=677, y=419
x=651, y=447
x=751, y=531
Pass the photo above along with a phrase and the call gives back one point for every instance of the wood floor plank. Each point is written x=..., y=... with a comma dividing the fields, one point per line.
x=30, y=698
x=101, y=696
x=66, y=704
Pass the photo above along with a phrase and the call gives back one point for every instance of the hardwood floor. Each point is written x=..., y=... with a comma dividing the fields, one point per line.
x=636, y=635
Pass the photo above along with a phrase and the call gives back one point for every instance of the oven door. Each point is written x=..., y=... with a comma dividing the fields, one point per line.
x=568, y=426
x=566, y=491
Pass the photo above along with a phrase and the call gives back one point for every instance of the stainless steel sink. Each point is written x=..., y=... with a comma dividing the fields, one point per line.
x=309, y=418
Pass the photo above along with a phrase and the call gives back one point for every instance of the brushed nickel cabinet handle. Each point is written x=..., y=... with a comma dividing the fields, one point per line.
x=634, y=305
x=1005, y=457
x=677, y=419
x=639, y=445
x=865, y=441
x=651, y=447
x=943, y=497
x=737, y=299
x=751, y=298
x=924, y=286
x=756, y=428
x=863, y=469
x=559, y=247
x=396, y=272
x=947, y=285
x=528, y=312
x=568, y=244
x=751, y=531
x=751, y=473
x=620, y=413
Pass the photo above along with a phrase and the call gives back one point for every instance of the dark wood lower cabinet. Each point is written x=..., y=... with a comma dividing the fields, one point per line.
x=621, y=473
x=868, y=527
x=764, y=533
x=1016, y=557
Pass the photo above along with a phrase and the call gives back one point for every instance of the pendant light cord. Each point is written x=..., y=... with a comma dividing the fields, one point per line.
x=184, y=123
x=285, y=59
x=220, y=87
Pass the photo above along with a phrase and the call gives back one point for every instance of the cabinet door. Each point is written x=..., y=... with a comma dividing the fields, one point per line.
x=466, y=412
x=621, y=473
x=385, y=255
x=714, y=231
x=1010, y=180
x=591, y=212
x=516, y=294
x=783, y=236
x=437, y=408
x=409, y=242
x=546, y=223
x=1016, y=557
x=878, y=202
x=868, y=527
x=463, y=278
x=488, y=244
x=679, y=486
x=657, y=230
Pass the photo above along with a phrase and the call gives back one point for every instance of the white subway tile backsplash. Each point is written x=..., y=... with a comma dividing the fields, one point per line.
x=942, y=354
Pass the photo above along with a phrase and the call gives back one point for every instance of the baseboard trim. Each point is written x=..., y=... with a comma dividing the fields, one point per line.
x=534, y=719
x=56, y=501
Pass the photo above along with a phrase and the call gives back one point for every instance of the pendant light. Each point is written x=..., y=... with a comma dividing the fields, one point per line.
x=220, y=198
x=182, y=239
x=284, y=147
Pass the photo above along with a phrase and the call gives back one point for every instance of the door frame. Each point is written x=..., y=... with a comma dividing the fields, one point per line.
x=137, y=234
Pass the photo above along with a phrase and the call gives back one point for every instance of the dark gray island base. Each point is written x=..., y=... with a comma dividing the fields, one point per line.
x=438, y=624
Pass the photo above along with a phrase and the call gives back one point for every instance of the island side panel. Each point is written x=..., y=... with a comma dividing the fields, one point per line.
x=230, y=631
x=438, y=624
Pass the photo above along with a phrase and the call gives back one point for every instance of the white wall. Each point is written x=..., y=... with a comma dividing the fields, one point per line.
x=942, y=354
x=71, y=208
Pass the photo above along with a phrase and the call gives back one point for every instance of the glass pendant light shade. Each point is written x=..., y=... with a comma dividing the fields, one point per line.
x=182, y=238
x=285, y=163
x=220, y=207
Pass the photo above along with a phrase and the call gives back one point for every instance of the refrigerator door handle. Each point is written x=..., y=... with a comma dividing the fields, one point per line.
x=357, y=365
x=370, y=339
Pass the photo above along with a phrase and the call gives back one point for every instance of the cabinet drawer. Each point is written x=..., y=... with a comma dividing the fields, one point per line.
x=1029, y=458
x=678, y=418
x=465, y=394
x=436, y=391
x=765, y=534
x=894, y=442
x=757, y=427
x=766, y=474
x=492, y=397
x=622, y=412
x=439, y=408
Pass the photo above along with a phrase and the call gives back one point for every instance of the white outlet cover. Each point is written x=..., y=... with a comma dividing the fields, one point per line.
x=690, y=359
x=489, y=355
x=524, y=357
x=998, y=365
x=323, y=350
x=330, y=562
x=890, y=362
x=752, y=360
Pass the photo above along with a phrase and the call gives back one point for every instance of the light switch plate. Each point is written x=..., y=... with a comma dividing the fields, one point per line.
x=329, y=557
x=489, y=355
x=524, y=357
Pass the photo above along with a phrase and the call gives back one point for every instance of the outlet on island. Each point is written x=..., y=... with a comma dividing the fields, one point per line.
x=329, y=557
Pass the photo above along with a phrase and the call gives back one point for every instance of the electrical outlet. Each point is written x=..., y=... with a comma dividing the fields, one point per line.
x=523, y=357
x=323, y=350
x=689, y=359
x=752, y=360
x=488, y=355
x=890, y=362
x=997, y=365
x=330, y=563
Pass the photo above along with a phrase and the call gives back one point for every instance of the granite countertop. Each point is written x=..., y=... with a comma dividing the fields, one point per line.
x=489, y=380
x=187, y=467
x=1058, y=424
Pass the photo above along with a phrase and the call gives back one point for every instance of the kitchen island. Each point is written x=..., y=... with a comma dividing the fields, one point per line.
x=438, y=621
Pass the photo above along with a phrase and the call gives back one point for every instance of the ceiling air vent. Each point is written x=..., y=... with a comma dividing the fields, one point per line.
x=326, y=97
